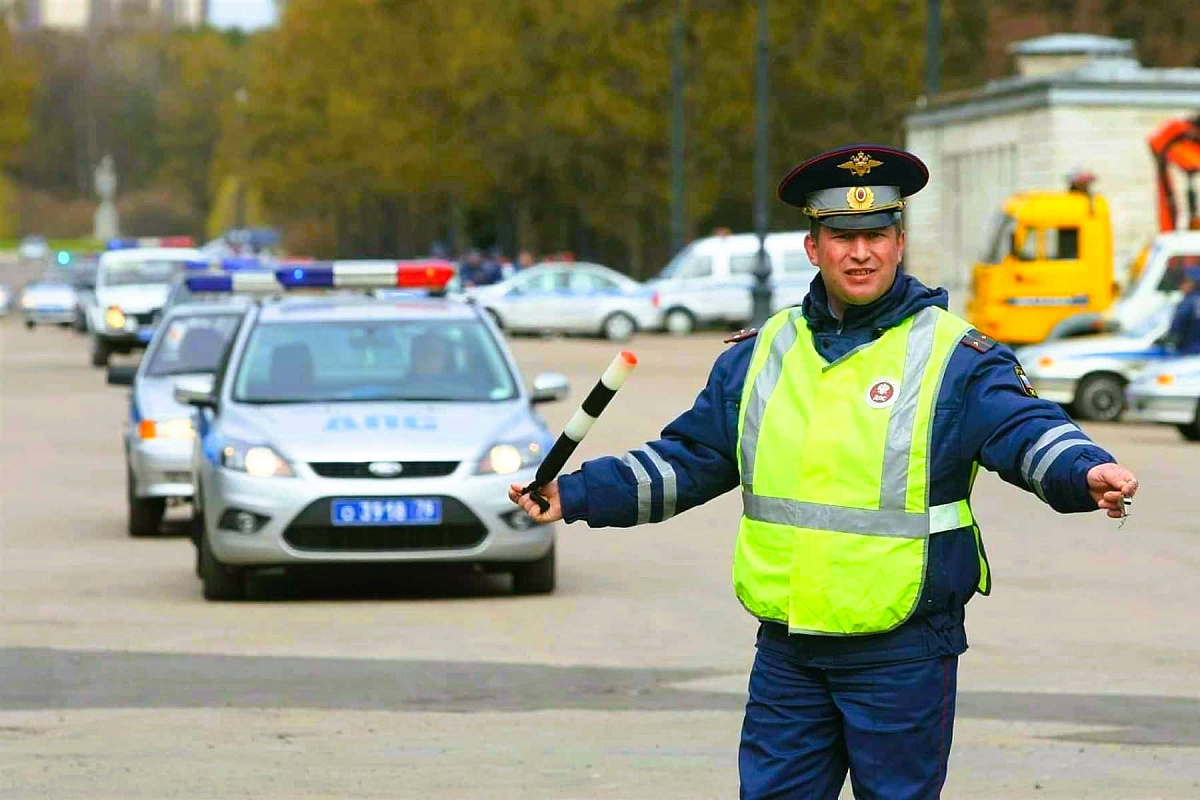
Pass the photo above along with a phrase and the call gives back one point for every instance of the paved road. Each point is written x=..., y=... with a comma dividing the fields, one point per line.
x=117, y=680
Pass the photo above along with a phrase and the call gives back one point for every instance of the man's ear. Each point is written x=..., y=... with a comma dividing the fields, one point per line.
x=810, y=245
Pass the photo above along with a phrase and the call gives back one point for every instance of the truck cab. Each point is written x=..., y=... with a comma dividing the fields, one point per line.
x=1049, y=256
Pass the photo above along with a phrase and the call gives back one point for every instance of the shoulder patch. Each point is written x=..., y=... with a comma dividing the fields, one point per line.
x=978, y=341
x=1023, y=379
x=742, y=335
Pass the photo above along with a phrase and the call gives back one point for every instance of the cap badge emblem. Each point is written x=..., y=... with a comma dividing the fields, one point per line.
x=385, y=469
x=861, y=164
x=860, y=198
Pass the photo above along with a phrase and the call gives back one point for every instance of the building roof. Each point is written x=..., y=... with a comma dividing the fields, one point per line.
x=1107, y=78
x=1063, y=44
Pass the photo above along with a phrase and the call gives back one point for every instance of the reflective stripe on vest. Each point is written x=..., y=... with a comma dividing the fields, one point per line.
x=834, y=463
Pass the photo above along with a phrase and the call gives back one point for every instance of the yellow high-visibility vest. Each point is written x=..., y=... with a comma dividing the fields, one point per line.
x=834, y=462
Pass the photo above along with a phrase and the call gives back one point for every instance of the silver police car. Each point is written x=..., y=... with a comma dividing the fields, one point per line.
x=349, y=429
x=1088, y=374
x=1169, y=393
x=158, y=432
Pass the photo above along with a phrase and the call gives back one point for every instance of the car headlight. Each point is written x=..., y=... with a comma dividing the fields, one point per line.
x=27, y=301
x=505, y=458
x=258, y=460
x=180, y=428
x=114, y=317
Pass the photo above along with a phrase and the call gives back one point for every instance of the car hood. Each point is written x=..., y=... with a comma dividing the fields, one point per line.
x=134, y=299
x=1088, y=346
x=1186, y=370
x=156, y=396
x=382, y=431
x=53, y=293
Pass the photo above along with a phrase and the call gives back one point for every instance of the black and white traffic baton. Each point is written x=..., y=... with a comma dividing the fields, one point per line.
x=579, y=425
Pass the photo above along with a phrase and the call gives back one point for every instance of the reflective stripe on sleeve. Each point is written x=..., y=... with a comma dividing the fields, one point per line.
x=643, y=486
x=1050, y=436
x=667, y=473
x=1052, y=455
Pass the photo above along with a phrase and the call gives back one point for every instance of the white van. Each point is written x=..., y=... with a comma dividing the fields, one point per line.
x=709, y=281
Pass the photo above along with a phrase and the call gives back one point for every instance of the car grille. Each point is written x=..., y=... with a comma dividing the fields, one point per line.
x=311, y=530
x=146, y=317
x=359, y=469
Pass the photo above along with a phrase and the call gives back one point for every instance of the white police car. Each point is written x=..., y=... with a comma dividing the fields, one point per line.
x=352, y=429
x=1088, y=374
x=158, y=433
x=1168, y=393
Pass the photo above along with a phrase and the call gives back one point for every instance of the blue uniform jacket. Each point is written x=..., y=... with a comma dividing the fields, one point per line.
x=1185, y=325
x=984, y=413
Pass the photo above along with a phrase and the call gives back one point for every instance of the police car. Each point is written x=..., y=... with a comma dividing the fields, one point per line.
x=350, y=429
x=1169, y=393
x=1088, y=374
x=158, y=432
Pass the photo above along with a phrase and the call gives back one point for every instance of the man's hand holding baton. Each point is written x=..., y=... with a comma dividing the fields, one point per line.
x=540, y=498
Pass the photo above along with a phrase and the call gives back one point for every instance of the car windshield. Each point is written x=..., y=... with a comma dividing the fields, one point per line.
x=130, y=273
x=56, y=275
x=392, y=360
x=1000, y=238
x=680, y=258
x=192, y=344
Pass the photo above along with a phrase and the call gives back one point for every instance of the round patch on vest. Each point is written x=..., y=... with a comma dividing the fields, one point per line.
x=882, y=393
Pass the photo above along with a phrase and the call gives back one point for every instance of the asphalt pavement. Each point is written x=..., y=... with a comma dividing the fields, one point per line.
x=118, y=681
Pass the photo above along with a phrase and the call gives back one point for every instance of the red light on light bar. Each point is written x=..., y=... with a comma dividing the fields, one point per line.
x=424, y=274
x=177, y=241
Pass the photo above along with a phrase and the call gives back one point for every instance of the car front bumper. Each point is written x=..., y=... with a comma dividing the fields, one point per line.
x=1173, y=409
x=294, y=521
x=1055, y=389
x=161, y=467
x=50, y=316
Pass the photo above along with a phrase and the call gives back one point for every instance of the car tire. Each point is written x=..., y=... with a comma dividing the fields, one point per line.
x=618, y=327
x=679, y=321
x=145, y=513
x=29, y=324
x=219, y=581
x=1191, y=431
x=100, y=352
x=80, y=323
x=1100, y=398
x=535, y=577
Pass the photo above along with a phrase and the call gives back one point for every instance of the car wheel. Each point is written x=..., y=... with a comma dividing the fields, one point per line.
x=145, y=513
x=680, y=322
x=80, y=324
x=535, y=577
x=29, y=324
x=1191, y=431
x=100, y=352
x=618, y=327
x=219, y=581
x=1100, y=397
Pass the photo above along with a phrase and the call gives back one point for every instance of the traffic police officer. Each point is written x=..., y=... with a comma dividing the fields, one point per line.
x=854, y=426
x=1184, y=334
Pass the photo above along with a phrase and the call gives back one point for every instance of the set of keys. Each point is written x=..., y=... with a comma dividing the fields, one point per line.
x=1126, y=502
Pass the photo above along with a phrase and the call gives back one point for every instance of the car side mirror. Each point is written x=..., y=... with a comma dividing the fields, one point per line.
x=121, y=374
x=549, y=387
x=196, y=392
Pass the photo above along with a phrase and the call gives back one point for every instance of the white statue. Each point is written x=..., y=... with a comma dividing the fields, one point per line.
x=106, y=225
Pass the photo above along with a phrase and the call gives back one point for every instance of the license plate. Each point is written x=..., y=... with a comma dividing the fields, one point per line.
x=387, y=511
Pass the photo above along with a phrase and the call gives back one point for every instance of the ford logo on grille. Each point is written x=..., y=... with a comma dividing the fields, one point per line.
x=384, y=469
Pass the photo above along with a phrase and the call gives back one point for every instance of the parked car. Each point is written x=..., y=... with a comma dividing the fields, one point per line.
x=561, y=297
x=50, y=300
x=1169, y=393
x=709, y=281
x=33, y=248
x=5, y=299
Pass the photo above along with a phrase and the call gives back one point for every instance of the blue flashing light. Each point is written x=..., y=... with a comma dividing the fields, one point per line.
x=209, y=283
x=63, y=258
x=305, y=277
x=120, y=244
x=195, y=264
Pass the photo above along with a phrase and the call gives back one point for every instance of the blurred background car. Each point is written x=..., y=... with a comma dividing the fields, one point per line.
x=33, y=248
x=5, y=299
x=570, y=298
x=158, y=432
x=1088, y=374
x=1168, y=393
x=82, y=268
x=131, y=288
x=709, y=281
x=49, y=300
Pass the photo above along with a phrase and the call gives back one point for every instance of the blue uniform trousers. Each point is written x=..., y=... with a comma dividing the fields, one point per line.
x=890, y=725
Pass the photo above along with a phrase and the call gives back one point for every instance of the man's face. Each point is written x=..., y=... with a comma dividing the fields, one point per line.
x=857, y=267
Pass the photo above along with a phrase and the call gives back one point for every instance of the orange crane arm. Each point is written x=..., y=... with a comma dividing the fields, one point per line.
x=1176, y=143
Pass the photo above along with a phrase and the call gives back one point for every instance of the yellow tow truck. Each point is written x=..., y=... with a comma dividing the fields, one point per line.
x=1049, y=257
